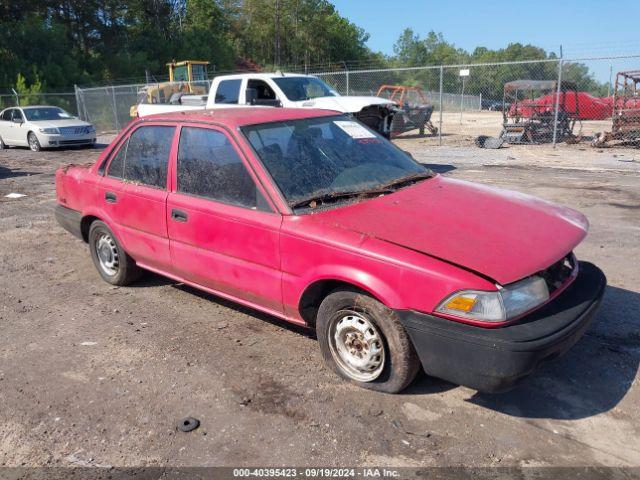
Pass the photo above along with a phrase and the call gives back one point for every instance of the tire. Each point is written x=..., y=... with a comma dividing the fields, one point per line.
x=114, y=265
x=3, y=145
x=34, y=144
x=390, y=362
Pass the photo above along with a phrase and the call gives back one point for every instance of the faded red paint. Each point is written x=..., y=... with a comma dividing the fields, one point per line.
x=410, y=249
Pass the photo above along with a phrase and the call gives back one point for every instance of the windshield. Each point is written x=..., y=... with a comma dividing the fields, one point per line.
x=297, y=89
x=46, y=113
x=180, y=74
x=329, y=156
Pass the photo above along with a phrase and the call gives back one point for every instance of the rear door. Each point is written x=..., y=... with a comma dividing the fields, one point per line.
x=223, y=232
x=134, y=192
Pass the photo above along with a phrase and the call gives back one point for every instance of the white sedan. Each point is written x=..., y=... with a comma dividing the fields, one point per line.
x=39, y=127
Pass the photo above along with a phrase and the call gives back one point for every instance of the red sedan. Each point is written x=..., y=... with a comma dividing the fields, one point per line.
x=312, y=217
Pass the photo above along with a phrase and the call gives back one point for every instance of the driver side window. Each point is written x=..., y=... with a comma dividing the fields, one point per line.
x=263, y=90
x=17, y=115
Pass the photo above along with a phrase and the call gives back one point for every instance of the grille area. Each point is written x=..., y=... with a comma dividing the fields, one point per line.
x=73, y=130
x=557, y=274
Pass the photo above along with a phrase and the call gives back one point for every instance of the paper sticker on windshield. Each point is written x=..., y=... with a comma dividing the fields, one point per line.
x=354, y=129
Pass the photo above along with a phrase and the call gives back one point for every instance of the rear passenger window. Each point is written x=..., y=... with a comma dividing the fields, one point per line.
x=228, y=91
x=208, y=166
x=6, y=115
x=147, y=156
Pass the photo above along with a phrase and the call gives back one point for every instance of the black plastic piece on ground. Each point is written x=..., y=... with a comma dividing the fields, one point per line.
x=188, y=424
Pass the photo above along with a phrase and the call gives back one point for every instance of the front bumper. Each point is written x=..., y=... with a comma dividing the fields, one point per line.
x=494, y=359
x=48, y=141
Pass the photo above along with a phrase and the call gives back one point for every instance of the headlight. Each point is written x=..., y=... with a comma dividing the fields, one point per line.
x=506, y=303
x=90, y=129
x=50, y=131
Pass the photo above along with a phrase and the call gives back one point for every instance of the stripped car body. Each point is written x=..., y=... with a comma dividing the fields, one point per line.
x=529, y=118
x=626, y=111
x=414, y=109
x=338, y=220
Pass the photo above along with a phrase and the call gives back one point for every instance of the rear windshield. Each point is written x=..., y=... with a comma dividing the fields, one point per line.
x=46, y=113
x=328, y=155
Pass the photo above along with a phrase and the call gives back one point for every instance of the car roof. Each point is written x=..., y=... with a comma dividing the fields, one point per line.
x=262, y=75
x=29, y=107
x=240, y=116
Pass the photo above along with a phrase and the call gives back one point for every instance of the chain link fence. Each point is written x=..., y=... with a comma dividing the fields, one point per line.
x=549, y=101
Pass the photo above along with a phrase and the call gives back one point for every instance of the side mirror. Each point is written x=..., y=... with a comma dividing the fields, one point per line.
x=251, y=94
x=17, y=120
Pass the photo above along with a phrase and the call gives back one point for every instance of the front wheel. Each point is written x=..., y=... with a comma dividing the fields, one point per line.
x=2, y=144
x=113, y=263
x=34, y=144
x=364, y=342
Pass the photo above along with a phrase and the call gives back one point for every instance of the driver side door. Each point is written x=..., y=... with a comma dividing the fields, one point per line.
x=5, y=124
x=17, y=132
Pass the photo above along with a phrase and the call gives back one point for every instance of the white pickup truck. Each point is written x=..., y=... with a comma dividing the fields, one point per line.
x=280, y=90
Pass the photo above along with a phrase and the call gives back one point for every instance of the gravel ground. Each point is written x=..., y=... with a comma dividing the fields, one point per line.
x=95, y=375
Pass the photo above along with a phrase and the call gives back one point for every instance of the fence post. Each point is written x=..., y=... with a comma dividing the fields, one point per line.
x=557, y=106
x=480, y=104
x=440, y=120
x=17, y=97
x=346, y=74
x=115, y=108
x=75, y=89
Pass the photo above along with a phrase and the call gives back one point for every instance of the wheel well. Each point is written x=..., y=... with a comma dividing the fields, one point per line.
x=316, y=292
x=85, y=225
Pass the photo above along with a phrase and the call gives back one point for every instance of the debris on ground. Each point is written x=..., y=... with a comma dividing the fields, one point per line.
x=485, y=141
x=188, y=424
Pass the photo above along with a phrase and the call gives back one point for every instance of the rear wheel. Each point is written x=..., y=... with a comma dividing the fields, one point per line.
x=113, y=264
x=34, y=144
x=364, y=342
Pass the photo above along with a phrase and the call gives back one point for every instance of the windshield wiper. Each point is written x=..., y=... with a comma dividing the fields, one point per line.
x=314, y=200
x=399, y=182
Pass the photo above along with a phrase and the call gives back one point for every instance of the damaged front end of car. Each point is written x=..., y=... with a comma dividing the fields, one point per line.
x=378, y=117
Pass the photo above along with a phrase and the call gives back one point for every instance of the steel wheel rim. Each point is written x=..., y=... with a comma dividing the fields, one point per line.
x=357, y=346
x=107, y=252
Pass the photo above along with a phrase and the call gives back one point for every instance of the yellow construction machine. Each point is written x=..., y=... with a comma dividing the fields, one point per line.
x=187, y=77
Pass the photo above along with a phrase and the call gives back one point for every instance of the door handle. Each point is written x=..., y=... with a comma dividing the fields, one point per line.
x=179, y=215
x=110, y=197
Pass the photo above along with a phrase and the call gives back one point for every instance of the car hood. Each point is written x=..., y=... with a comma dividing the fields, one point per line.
x=67, y=122
x=497, y=233
x=346, y=104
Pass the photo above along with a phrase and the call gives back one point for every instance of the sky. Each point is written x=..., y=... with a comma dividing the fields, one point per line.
x=585, y=28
